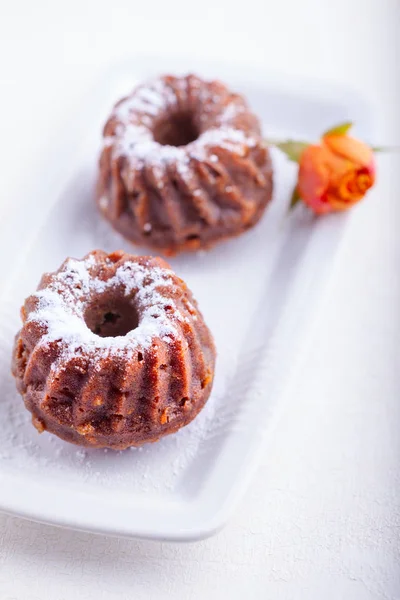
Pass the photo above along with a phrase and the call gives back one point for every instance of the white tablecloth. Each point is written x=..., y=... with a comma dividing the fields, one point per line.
x=321, y=519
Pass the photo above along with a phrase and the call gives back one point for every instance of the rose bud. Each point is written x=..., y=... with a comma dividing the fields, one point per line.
x=335, y=174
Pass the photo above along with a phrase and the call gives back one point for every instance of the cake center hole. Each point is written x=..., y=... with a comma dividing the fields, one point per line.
x=177, y=130
x=111, y=317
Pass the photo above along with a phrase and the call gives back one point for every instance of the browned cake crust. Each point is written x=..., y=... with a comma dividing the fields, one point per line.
x=113, y=352
x=183, y=165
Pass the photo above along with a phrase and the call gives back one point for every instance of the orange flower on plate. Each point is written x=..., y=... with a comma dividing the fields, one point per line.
x=334, y=174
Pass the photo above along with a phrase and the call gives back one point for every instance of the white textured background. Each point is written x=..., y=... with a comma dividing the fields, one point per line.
x=321, y=520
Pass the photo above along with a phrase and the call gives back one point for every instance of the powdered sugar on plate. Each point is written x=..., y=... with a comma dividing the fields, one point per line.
x=155, y=468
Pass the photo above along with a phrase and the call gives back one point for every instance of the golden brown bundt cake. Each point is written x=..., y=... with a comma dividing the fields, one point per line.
x=113, y=352
x=183, y=165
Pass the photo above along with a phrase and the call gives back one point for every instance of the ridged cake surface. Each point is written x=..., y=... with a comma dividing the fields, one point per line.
x=183, y=165
x=113, y=351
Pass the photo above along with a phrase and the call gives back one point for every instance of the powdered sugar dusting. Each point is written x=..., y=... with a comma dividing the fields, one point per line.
x=151, y=99
x=232, y=110
x=103, y=202
x=137, y=144
x=136, y=114
x=108, y=141
x=61, y=309
x=135, y=104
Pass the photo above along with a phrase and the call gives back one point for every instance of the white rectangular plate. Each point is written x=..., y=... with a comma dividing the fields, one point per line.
x=258, y=294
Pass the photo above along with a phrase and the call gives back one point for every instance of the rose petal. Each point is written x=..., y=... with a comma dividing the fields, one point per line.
x=351, y=149
x=313, y=179
x=351, y=189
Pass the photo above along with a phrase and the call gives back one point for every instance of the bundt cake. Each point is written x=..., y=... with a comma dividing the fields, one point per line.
x=113, y=352
x=183, y=165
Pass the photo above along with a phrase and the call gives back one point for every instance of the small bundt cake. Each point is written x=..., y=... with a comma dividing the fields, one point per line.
x=183, y=165
x=113, y=352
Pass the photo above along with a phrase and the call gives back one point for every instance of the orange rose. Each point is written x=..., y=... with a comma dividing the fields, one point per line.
x=335, y=174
